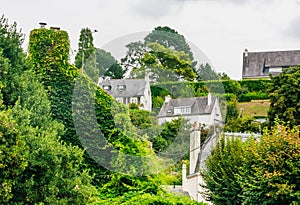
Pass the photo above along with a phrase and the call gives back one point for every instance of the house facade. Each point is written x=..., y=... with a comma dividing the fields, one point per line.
x=129, y=91
x=205, y=110
x=262, y=64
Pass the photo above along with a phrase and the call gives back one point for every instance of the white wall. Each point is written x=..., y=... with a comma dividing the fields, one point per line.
x=202, y=119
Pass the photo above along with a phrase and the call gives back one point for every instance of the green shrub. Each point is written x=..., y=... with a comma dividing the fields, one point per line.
x=253, y=96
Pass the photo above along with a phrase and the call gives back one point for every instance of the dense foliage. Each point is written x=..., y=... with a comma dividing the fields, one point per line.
x=271, y=168
x=285, y=97
x=220, y=171
x=244, y=90
x=164, y=55
x=95, y=121
x=258, y=171
x=108, y=66
x=35, y=167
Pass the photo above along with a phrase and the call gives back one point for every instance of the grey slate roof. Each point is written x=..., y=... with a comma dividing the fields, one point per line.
x=254, y=64
x=199, y=106
x=134, y=87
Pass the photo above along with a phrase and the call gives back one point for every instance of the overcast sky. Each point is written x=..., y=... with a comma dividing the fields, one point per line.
x=221, y=29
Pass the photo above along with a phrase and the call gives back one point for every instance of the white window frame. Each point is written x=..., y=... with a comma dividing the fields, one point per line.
x=182, y=110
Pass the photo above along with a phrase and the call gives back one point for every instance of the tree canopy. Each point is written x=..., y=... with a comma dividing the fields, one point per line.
x=108, y=65
x=164, y=54
x=285, y=98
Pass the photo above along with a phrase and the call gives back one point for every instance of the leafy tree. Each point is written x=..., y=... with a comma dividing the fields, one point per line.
x=135, y=52
x=270, y=173
x=164, y=64
x=86, y=55
x=170, y=38
x=162, y=50
x=85, y=46
x=221, y=172
x=223, y=76
x=115, y=71
x=205, y=72
x=108, y=65
x=140, y=118
x=231, y=109
x=284, y=97
x=90, y=68
x=243, y=124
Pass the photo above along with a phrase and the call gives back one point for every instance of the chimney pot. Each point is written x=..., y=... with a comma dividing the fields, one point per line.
x=246, y=52
x=55, y=28
x=43, y=24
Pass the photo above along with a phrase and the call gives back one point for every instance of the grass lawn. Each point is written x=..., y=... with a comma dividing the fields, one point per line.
x=254, y=108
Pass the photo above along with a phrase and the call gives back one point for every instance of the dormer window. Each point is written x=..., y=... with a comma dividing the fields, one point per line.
x=182, y=110
x=121, y=87
x=275, y=69
x=107, y=87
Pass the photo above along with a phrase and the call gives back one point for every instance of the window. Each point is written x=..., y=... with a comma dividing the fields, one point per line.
x=275, y=69
x=182, y=110
x=266, y=70
x=107, y=87
x=134, y=100
x=121, y=87
x=120, y=100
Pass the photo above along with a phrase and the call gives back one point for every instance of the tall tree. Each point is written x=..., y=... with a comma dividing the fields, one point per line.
x=170, y=38
x=164, y=64
x=205, y=72
x=220, y=173
x=108, y=65
x=162, y=48
x=85, y=58
x=85, y=46
x=285, y=98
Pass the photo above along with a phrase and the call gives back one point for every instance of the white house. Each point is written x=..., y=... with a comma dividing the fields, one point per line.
x=204, y=110
x=129, y=91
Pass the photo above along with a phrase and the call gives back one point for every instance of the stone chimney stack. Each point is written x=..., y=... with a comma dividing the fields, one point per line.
x=147, y=78
x=184, y=177
x=246, y=52
x=209, y=99
x=167, y=98
x=195, y=147
x=100, y=81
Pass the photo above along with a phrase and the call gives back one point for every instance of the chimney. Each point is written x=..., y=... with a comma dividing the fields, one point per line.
x=147, y=79
x=195, y=147
x=209, y=99
x=43, y=24
x=100, y=80
x=55, y=28
x=183, y=177
x=246, y=52
x=167, y=98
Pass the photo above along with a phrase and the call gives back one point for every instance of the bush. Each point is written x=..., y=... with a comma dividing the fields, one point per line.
x=257, y=85
x=253, y=96
x=271, y=170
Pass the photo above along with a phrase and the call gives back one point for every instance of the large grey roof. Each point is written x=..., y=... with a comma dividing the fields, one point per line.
x=199, y=105
x=254, y=64
x=134, y=87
